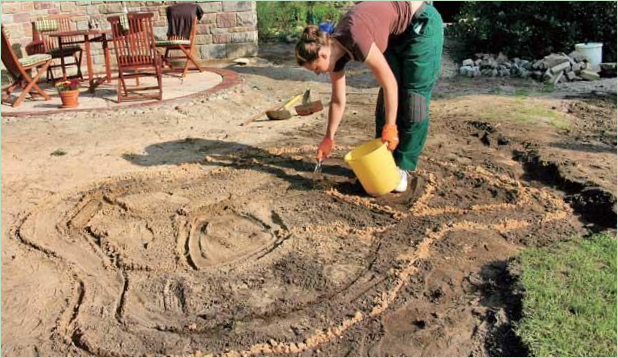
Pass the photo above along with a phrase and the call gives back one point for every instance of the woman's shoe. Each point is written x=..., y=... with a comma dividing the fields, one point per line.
x=403, y=182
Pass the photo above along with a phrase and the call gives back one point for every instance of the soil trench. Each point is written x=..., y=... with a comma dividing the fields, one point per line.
x=253, y=258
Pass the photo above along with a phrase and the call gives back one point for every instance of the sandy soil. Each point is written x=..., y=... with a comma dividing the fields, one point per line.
x=175, y=231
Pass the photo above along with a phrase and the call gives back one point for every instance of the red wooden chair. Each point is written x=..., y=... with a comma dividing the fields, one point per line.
x=182, y=43
x=136, y=54
x=18, y=69
x=43, y=43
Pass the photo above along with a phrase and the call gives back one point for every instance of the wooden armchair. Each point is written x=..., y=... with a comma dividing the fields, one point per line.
x=182, y=40
x=43, y=43
x=18, y=69
x=136, y=54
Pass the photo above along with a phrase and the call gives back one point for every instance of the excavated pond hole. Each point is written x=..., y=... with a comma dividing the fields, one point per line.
x=252, y=258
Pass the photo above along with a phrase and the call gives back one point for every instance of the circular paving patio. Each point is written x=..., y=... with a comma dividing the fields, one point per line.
x=105, y=97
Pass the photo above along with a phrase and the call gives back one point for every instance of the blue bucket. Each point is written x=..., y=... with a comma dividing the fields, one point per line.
x=326, y=26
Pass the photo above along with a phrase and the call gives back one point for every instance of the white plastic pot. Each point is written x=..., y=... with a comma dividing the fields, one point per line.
x=592, y=50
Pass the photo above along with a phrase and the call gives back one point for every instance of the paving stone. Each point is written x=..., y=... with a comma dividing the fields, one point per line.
x=501, y=58
x=538, y=65
x=463, y=70
x=589, y=75
x=570, y=75
x=467, y=62
x=547, y=76
x=554, y=59
x=561, y=67
x=557, y=77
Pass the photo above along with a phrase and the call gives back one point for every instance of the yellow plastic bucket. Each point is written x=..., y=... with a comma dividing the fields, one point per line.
x=374, y=167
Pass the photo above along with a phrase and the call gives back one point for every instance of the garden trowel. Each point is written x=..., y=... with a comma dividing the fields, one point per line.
x=308, y=107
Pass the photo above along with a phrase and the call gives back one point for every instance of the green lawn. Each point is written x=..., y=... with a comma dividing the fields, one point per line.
x=569, y=306
x=519, y=108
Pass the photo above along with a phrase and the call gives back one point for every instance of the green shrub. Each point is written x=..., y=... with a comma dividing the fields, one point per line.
x=276, y=20
x=534, y=29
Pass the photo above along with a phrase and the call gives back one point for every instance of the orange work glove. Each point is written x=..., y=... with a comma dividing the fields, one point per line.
x=325, y=148
x=390, y=136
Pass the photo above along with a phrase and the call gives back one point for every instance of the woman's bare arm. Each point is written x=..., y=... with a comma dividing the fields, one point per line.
x=384, y=75
x=337, y=104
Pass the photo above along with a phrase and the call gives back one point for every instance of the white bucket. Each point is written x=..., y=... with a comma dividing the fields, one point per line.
x=592, y=50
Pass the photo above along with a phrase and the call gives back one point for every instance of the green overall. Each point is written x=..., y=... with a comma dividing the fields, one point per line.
x=415, y=62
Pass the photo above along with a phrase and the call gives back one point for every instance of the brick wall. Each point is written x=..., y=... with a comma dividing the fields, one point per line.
x=228, y=29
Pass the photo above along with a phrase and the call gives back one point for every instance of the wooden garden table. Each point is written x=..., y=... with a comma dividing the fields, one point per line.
x=90, y=36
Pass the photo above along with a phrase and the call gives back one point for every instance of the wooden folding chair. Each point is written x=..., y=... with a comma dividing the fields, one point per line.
x=180, y=43
x=133, y=38
x=43, y=43
x=18, y=69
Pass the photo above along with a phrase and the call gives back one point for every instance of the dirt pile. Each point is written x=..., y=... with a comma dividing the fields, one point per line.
x=252, y=259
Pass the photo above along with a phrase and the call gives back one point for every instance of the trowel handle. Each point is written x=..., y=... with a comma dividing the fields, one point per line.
x=291, y=102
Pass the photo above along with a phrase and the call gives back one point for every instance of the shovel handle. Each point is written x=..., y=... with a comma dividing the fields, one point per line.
x=292, y=101
x=256, y=116
x=276, y=108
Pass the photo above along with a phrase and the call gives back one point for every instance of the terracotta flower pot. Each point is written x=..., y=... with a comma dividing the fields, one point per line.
x=70, y=99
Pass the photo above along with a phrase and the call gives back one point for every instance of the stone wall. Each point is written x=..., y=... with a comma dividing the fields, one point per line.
x=228, y=29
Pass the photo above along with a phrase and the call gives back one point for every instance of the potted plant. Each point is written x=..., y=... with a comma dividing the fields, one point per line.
x=69, y=93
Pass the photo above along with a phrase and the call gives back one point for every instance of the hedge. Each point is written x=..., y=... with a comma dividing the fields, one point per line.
x=534, y=29
x=278, y=19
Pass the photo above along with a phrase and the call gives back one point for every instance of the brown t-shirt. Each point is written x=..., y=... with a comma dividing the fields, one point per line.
x=370, y=22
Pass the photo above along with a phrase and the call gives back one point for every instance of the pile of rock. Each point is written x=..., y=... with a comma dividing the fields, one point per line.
x=490, y=66
x=561, y=68
x=557, y=67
